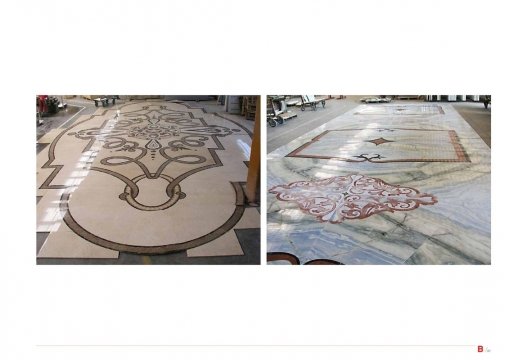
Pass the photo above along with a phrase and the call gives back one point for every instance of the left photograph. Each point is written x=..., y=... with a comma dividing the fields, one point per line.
x=137, y=179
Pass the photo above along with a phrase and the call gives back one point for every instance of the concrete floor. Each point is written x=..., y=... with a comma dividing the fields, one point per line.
x=477, y=117
x=474, y=114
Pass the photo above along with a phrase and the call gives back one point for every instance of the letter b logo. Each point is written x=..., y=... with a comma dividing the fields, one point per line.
x=480, y=348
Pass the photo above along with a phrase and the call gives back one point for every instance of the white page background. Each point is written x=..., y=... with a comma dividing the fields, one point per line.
x=241, y=47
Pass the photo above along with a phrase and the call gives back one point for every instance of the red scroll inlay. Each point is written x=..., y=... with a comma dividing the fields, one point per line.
x=350, y=197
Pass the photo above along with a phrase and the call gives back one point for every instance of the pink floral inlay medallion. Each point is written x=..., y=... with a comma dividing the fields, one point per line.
x=350, y=197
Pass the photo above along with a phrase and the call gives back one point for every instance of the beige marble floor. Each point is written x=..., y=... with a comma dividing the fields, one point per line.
x=147, y=177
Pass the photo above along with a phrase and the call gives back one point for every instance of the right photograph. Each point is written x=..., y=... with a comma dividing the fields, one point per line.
x=379, y=180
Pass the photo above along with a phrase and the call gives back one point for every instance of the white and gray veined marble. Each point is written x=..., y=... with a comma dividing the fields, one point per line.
x=454, y=230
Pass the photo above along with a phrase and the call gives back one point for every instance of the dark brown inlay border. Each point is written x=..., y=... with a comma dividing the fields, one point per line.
x=277, y=256
x=294, y=260
x=157, y=249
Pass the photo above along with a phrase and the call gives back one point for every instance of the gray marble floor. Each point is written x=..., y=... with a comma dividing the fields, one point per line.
x=383, y=184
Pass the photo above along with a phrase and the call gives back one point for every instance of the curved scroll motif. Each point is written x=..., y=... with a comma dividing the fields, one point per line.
x=350, y=197
x=152, y=140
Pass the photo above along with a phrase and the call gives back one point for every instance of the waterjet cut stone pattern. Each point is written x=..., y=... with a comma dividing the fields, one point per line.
x=350, y=197
x=427, y=148
x=145, y=177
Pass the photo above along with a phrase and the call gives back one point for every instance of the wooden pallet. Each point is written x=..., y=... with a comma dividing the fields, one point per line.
x=249, y=107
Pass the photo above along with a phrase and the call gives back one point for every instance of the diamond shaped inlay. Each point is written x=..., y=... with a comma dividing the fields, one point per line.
x=379, y=141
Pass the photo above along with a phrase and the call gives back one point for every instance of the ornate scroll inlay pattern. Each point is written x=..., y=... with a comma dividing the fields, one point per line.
x=144, y=178
x=350, y=197
x=154, y=139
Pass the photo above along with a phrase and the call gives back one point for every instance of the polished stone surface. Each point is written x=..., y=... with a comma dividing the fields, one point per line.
x=430, y=149
x=401, y=110
x=359, y=145
x=148, y=177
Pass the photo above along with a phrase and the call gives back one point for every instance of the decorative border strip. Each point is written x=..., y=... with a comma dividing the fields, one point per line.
x=438, y=107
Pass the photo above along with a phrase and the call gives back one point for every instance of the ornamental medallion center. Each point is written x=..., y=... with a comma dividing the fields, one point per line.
x=350, y=197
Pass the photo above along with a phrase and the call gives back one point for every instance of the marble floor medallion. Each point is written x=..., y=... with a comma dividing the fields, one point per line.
x=147, y=178
x=406, y=183
x=350, y=197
